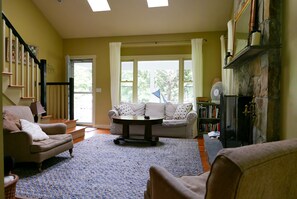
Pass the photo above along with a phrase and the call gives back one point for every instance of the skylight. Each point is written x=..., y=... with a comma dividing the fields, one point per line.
x=157, y=3
x=99, y=5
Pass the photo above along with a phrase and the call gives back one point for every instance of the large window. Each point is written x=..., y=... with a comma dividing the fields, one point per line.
x=156, y=80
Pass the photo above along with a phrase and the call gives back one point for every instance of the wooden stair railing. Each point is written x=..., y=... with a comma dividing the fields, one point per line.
x=58, y=107
x=20, y=63
x=27, y=73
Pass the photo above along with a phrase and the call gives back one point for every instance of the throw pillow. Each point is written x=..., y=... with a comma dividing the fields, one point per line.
x=182, y=110
x=10, y=122
x=138, y=108
x=125, y=109
x=34, y=130
x=170, y=109
x=155, y=109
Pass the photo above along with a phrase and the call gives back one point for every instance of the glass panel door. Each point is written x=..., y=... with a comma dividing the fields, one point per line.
x=83, y=95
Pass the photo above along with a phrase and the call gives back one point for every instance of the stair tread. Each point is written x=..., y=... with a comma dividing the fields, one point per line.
x=27, y=97
x=76, y=132
x=7, y=73
x=76, y=128
x=65, y=121
x=16, y=86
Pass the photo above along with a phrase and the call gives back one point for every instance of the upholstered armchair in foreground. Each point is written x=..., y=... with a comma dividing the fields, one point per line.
x=22, y=144
x=266, y=171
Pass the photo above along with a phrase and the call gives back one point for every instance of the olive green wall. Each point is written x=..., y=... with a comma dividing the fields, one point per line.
x=36, y=30
x=289, y=71
x=100, y=48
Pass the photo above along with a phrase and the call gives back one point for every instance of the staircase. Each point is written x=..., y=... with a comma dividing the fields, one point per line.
x=24, y=79
x=75, y=131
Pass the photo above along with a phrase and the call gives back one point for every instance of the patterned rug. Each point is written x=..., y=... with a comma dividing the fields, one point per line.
x=101, y=169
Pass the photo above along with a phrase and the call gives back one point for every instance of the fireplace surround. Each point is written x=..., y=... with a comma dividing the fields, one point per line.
x=260, y=75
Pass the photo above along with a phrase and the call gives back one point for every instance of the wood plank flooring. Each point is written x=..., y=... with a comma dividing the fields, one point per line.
x=93, y=131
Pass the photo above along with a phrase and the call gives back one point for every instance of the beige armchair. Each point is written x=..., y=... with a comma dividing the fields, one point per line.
x=266, y=171
x=20, y=145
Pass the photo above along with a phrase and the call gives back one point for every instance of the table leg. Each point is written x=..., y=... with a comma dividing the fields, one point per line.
x=125, y=130
x=148, y=135
x=148, y=132
x=124, y=136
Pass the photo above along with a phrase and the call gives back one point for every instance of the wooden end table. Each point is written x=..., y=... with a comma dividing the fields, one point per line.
x=137, y=120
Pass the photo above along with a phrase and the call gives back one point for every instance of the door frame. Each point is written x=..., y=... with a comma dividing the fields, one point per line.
x=84, y=57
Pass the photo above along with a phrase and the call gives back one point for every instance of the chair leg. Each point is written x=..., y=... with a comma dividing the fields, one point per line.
x=70, y=151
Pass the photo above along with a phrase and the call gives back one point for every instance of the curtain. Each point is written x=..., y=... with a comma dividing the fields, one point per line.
x=224, y=71
x=115, y=66
x=197, y=68
x=227, y=74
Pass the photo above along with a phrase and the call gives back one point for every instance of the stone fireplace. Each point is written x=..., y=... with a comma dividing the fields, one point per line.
x=260, y=76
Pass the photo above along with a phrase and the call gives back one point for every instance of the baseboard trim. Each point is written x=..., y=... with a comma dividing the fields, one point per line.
x=102, y=126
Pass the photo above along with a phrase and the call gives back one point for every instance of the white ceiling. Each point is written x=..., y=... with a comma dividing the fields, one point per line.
x=75, y=19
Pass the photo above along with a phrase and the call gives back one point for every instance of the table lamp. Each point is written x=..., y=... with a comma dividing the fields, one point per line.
x=36, y=109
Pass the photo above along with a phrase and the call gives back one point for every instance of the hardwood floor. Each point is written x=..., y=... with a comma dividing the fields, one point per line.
x=93, y=131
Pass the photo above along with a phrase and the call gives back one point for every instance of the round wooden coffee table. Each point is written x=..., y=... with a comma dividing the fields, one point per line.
x=137, y=120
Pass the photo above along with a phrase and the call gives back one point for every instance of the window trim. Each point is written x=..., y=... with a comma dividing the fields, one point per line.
x=180, y=57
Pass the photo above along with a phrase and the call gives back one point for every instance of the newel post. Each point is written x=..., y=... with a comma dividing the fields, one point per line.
x=71, y=98
x=42, y=68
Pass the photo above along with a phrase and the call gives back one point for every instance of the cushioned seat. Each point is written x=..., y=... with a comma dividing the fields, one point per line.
x=256, y=171
x=52, y=142
x=174, y=123
x=26, y=146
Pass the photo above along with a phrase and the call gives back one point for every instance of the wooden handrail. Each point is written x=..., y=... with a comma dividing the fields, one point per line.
x=26, y=51
x=21, y=40
x=70, y=85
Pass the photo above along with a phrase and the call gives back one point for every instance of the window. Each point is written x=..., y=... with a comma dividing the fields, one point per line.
x=156, y=79
x=127, y=81
x=188, y=81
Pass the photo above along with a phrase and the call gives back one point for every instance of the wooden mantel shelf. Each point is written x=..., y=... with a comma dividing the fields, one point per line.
x=246, y=54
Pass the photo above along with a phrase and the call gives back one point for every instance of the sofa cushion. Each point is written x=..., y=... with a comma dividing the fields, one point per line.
x=52, y=142
x=124, y=109
x=10, y=122
x=34, y=130
x=174, y=123
x=182, y=110
x=155, y=109
x=138, y=108
x=197, y=184
x=170, y=109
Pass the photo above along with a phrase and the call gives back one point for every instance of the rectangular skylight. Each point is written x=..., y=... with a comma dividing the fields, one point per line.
x=157, y=3
x=99, y=5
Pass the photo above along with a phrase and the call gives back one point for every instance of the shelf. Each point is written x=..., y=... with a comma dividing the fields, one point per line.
x=209, y=119
x=246, y=54
x=207, y=103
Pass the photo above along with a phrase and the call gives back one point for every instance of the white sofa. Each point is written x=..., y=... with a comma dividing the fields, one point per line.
x=178, y=119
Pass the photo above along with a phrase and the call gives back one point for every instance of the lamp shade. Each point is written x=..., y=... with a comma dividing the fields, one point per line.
x=36, y=108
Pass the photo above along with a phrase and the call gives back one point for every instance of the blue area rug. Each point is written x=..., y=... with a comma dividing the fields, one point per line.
x=101, y=169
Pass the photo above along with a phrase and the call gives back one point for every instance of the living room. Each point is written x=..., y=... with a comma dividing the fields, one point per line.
x=54, y=48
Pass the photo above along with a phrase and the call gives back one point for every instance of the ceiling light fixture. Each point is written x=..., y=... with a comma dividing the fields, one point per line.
x=99, y=5
x=157, y=3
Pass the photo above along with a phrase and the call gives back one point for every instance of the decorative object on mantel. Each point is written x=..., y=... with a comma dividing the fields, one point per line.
x=228, y=58
x=36, y=109
x=256, y=38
